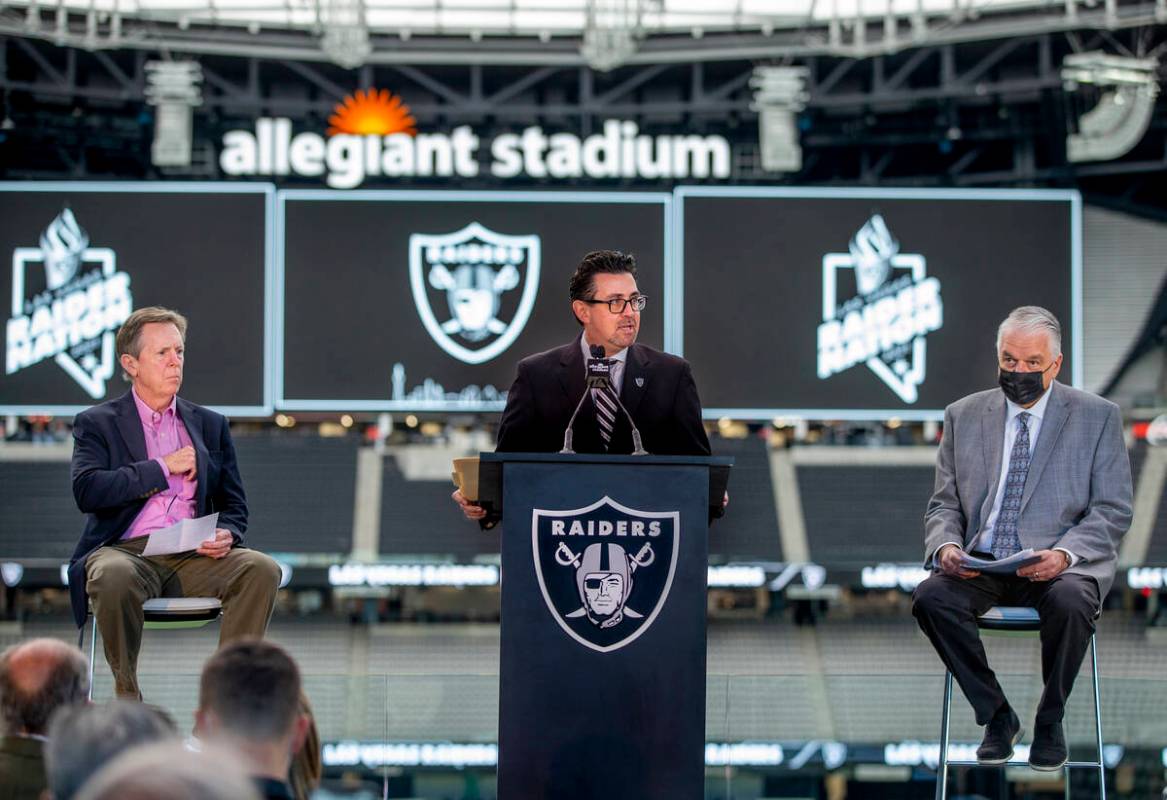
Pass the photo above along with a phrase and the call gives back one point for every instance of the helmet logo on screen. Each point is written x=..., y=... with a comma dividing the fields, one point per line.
x=878, y=307
x=605, y=570
x=474, y=289
x=70, y=310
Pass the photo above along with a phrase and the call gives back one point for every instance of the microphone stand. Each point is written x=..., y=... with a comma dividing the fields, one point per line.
x=567, y=434
x=637, y=444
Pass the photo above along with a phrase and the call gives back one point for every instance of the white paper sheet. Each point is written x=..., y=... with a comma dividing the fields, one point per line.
x=185, y=535
x=1002, y=566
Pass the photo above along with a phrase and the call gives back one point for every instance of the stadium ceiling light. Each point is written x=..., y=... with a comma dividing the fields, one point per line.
x=173, y=88
x=611, y=32
x=1114, y=126
x=345, y=37
x=779, y=94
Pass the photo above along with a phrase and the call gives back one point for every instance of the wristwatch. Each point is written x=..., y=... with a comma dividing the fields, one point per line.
x=1069, y=560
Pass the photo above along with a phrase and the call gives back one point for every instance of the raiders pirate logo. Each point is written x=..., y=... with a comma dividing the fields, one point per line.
x=605, y=570
x=462, y=285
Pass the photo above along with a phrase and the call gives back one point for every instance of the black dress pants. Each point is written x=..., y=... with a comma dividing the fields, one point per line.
x=947, y=608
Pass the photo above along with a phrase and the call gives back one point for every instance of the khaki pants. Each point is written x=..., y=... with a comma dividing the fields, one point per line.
x=119, y=579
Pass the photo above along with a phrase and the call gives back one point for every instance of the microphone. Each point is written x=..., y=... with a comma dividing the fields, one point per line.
x=599, y=376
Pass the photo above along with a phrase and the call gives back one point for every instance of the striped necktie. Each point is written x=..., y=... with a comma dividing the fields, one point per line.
x=606, y=404
x=1005, y=541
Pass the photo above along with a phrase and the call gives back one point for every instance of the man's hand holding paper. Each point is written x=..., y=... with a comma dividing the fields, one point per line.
x=198, y=534
x=1001, y=566
x=217, y=547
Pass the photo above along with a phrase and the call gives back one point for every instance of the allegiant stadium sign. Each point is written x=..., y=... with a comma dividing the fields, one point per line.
x=346, y=160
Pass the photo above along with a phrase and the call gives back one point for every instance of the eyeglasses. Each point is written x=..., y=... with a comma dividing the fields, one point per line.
x=617, y=304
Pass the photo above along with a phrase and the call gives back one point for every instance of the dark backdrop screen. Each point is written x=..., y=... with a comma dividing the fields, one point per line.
x=919, y=287
x=355, y=307
x=112, y=250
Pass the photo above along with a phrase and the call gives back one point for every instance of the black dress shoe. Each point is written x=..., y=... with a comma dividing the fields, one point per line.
x=1002, y=732
x=1048, y=751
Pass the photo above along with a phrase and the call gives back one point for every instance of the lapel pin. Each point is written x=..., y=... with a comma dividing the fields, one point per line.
x=639, y=382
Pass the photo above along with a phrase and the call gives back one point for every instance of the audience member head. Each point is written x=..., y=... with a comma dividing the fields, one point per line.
x=84, y=738
x=36, y=678
x=307, y=767
x=168, y=771
x=249, y=699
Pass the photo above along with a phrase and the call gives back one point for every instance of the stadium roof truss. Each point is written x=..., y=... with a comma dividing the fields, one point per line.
x=552, y=32
x=969, y=96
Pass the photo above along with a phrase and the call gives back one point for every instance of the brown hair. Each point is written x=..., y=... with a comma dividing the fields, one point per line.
x=129, y=338
x=307, y=767
x=253, y=687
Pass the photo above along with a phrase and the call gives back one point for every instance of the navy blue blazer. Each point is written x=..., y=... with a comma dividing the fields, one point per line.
x=113, y=478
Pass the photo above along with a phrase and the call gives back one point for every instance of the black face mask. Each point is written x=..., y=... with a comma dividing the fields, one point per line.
x=1022, y=388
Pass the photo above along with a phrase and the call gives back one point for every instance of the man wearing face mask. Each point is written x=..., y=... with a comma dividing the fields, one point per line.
x=1032, y=464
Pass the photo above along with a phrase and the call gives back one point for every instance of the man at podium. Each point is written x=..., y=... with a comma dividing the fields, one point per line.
x=656, y=389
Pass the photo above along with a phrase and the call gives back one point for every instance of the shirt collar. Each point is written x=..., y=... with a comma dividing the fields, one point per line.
x=146, y=414
x=1036, y=411
x=621, y=356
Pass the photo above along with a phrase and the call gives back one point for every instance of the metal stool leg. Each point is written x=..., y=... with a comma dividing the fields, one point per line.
x=1098, y=719
x=942, y=765
x=92, y=651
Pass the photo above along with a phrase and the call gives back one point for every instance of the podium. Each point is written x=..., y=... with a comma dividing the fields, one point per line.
x=602, y=664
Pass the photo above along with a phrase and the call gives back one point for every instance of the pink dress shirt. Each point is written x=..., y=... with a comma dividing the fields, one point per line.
x=165, y=433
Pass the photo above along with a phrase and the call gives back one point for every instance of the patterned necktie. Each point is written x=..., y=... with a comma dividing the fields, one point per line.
x=1005, y=541
x=605, y=402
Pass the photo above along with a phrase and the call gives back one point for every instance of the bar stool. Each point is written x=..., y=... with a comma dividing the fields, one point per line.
x=161, y=613
x=1013, y=620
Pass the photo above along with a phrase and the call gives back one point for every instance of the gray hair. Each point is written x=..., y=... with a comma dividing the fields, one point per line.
x=1033, y=319
x=168, y=771
x=36, y=678
x=84, y=738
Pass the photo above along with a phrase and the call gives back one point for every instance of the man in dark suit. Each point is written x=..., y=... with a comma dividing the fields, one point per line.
x=1035, y=465
x=141, y=463
x=656, y=388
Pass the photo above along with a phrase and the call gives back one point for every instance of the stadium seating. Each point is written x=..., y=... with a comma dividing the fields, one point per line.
x=860, y=515
x=300, y=492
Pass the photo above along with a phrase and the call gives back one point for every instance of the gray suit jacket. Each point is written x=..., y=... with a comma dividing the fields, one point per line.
x=1077, y=495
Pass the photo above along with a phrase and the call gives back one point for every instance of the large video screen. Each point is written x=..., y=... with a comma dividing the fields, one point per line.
x=426, y=301
x=85, y=255
x=856, y=304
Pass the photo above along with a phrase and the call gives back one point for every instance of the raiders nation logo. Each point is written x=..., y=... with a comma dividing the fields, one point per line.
x=471, y=273
x=878, y=306
x=70, y=310
x=605, y=570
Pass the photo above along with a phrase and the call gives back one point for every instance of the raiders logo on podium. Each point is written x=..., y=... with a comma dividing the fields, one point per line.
x=605, y=570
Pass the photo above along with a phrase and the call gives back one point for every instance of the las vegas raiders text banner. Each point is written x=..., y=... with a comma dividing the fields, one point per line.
x=416, y=301
x=866, y=303
x=86, y=255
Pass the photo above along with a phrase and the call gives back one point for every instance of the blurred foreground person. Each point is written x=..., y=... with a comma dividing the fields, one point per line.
x=249, y=703
x=171, y=771
x=84, y=738
x=307, y=765
x=37, y=677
